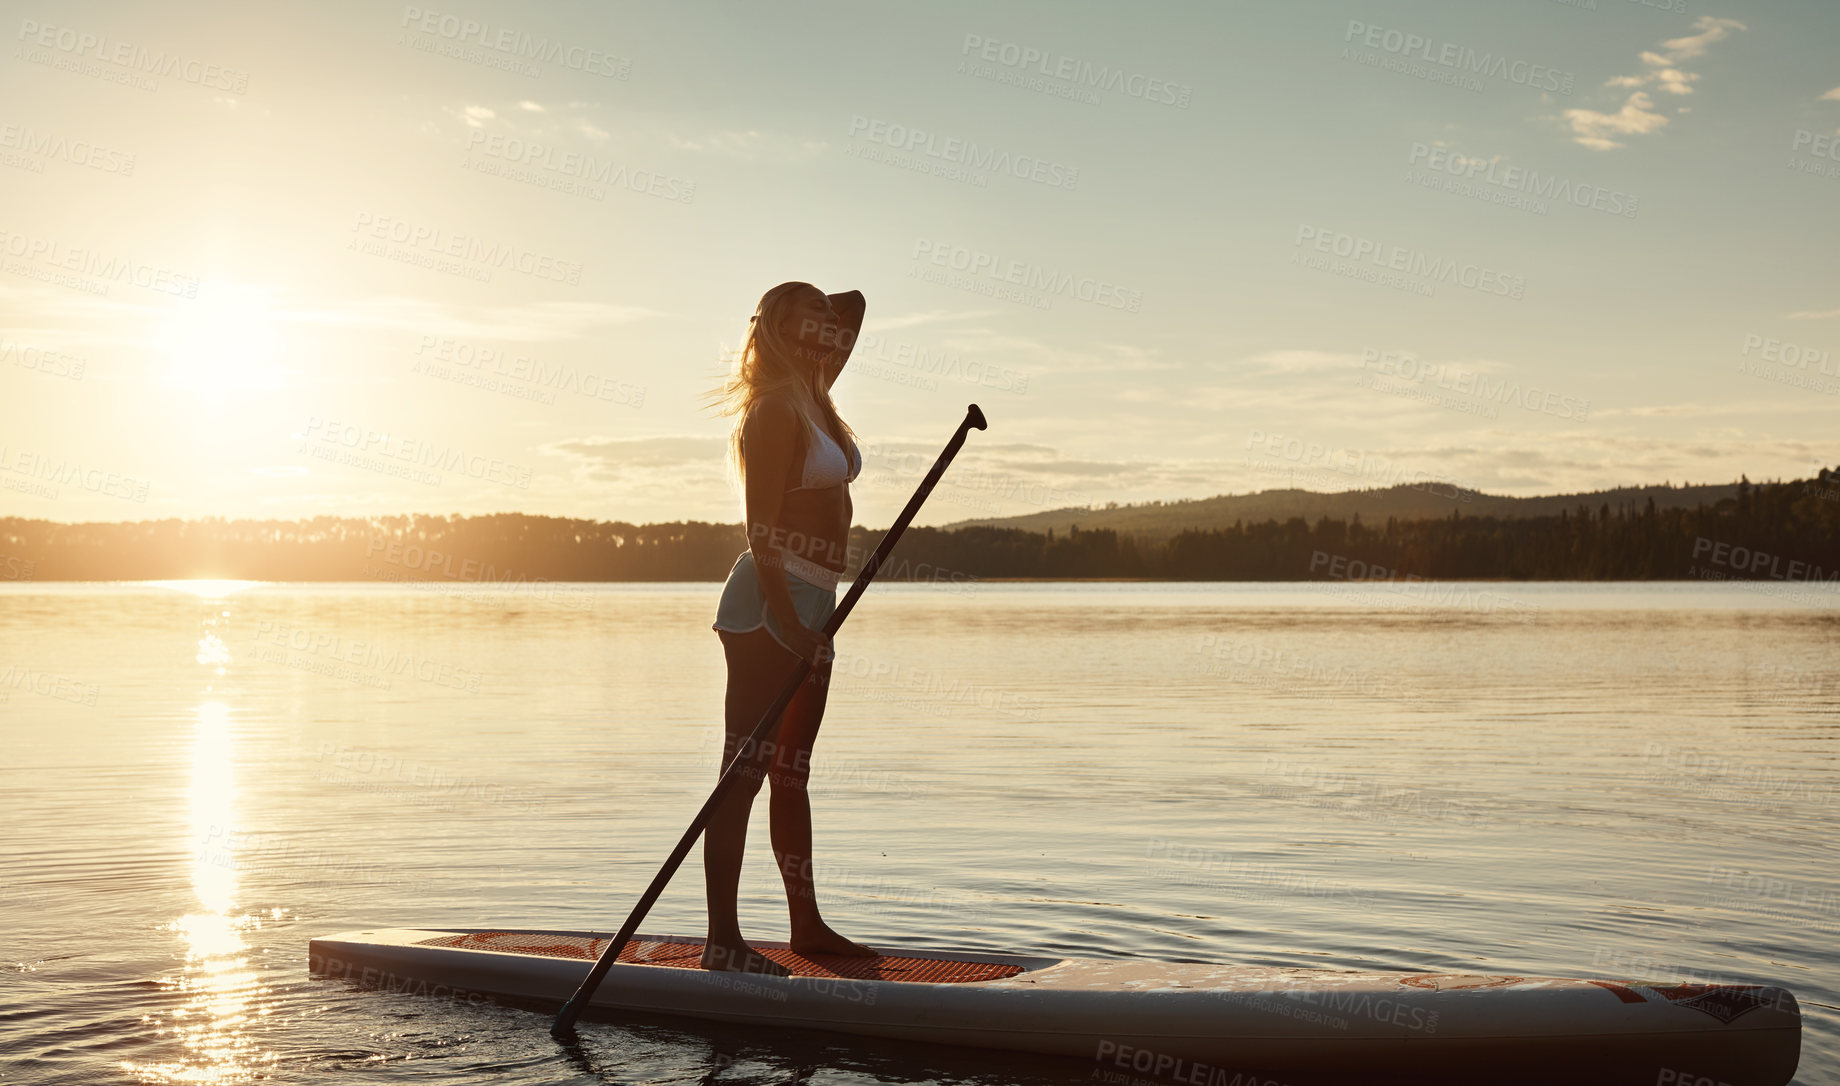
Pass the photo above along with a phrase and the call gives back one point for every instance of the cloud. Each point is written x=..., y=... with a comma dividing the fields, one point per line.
x=1602, y=131
x=1596, y=130
x=1302, y=360
x=537, y=123
x=69, y=317
x=1718, y=409
x=1672, y=80
x=1041, y=356
x=1329, y=394
x=1675, y=81
x=1711, y=29
x=631, y=459
x=1000, y=479
x=1293, y=360
x=1832, y=95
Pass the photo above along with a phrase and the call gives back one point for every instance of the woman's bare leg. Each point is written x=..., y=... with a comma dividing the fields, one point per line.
x=790, y=810
x=758, y=668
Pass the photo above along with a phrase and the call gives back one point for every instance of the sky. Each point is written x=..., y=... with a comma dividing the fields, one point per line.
x=357, y=259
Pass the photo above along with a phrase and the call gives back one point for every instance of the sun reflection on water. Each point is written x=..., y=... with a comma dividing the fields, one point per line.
x=219, y=995
x=207, y=588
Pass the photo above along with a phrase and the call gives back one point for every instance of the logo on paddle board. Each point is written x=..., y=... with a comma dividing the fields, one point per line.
x=1725, y=1002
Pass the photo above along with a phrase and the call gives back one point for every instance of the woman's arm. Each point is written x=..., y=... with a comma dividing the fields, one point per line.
x=850, y=307
x=769, y=438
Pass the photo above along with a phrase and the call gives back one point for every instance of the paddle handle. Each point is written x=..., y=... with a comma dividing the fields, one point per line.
x=565, y=1019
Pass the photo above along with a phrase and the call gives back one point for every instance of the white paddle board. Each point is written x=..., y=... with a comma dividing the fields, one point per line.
x=1181, y=1022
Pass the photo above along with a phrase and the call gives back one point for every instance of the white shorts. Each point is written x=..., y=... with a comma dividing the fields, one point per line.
x=744, y=604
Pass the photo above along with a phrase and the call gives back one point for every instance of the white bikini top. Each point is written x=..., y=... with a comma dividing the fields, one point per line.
x=824, y=461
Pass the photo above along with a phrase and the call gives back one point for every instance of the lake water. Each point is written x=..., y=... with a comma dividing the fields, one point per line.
x=1624, y=781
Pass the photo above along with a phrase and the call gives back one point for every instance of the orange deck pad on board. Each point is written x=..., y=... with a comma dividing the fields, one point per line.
x=687, y=955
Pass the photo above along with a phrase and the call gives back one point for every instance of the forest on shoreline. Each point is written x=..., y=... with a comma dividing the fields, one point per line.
x=1777, y=531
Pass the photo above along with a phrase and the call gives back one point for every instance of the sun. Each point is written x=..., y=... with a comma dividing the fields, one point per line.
x=223, y=342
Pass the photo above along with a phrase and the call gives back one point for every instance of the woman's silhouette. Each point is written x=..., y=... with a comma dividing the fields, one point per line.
x=796, y=458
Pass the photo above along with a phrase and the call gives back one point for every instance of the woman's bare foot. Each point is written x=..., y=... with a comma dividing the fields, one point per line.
x=740, y=958
x=822, y=940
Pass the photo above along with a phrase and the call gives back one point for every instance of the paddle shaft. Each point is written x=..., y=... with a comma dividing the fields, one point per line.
x=565, y=1019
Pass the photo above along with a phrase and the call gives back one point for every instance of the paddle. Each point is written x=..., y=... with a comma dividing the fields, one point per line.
x=564, y=1026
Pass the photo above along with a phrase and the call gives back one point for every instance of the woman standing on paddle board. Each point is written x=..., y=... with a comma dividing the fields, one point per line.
x=796, y=457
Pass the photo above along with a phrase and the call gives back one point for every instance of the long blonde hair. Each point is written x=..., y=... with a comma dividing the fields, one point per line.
x=768, y=364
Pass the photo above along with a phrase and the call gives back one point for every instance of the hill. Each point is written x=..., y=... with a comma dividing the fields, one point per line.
x=1157, y=521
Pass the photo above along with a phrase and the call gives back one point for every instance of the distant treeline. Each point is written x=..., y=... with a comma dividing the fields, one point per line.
x=1781, y=531
x=500, y=547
